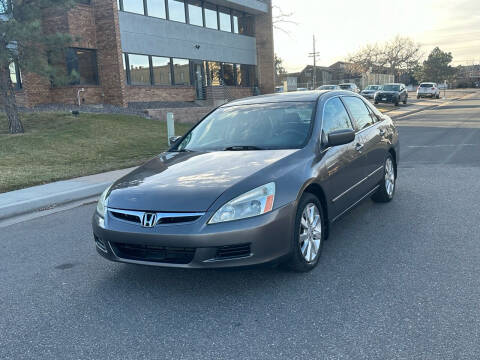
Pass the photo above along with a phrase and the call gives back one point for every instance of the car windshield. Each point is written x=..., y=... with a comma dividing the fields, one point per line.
x=327, y=87
x=372, y=87
x=391, y=87
x=252, y=127
x=345, y=87
x=426, y=85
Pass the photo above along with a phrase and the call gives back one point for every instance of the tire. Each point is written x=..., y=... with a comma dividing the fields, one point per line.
x=397, y=103
x=438, y=96
x=376, y=102
x=418, y=97
x=386, y=192
x=303, y=257
x=405, y=101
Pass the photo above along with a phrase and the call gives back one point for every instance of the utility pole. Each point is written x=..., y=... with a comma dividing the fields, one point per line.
x=314, y=55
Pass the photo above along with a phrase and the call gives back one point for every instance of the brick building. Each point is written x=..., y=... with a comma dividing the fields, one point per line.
x=130, y=51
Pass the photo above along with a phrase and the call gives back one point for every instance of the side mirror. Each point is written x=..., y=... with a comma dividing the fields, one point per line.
x=174, y=139
x=341, y=137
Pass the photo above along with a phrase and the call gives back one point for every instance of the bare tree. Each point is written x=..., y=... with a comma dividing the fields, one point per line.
x=280, y=19
x=400, y=55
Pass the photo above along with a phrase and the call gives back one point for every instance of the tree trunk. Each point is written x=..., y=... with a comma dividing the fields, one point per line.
x=7, y=93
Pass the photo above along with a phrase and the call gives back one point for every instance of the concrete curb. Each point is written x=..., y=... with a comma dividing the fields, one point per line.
x=49, y=196
x=49, y=201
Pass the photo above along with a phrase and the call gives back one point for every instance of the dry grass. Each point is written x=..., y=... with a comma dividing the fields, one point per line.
x=58, y=146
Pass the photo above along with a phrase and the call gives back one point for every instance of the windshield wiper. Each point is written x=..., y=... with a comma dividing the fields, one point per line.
x=242, y=148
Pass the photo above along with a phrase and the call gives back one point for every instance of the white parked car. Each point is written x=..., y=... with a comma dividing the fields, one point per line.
x=329, y=87
x=428, y=90
x=350, y=87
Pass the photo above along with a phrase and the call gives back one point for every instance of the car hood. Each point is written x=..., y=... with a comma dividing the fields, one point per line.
x=187, y=182
x=381, y=92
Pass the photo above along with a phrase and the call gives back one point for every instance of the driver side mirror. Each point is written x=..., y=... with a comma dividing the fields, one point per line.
x=341, y=137
x=174, y=139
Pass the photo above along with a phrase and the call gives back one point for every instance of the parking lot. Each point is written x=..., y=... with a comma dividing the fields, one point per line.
x=396, y=281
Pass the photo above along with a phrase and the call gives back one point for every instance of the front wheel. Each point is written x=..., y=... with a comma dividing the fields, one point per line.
x=309, y=234
x=387, y=186
x=405, y=101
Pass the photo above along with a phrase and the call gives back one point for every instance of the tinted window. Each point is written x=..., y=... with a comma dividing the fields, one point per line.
x=134, y=6
x=391, y=87
x=359, y=111
x=426, y=85
x=82, y=66
x=195, y=13
x=225, y=20
x=139, y=69
x=161, y=71
x=335, y=117
x=266, y=126
x=176, y=10
x=211, y=20
x=229, y=74
x=345, y=87
x=156, y=8
x=181, y=71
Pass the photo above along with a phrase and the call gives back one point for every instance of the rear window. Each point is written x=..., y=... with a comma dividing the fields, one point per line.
x=426, y=85
x=345, y=87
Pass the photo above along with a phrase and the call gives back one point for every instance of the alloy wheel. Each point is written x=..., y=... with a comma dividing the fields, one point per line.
x=389, y=177
x=310, y=235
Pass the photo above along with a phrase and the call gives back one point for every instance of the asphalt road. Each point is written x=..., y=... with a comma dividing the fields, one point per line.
x=396, y=281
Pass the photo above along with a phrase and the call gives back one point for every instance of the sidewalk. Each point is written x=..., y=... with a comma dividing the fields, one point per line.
x=47, y=196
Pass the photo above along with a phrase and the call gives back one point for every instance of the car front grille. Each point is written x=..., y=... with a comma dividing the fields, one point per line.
x=233, y=251
x=159, y=254
x=136, y=217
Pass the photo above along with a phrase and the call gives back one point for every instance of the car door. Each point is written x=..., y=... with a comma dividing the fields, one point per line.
x=370, y=148
x=343, y=163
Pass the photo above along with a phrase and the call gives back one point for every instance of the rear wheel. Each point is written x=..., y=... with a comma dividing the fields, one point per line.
x=405, y=101
x=387, y=187
x=309, y=234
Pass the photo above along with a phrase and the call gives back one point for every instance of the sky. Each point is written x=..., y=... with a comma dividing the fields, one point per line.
x=345, y=26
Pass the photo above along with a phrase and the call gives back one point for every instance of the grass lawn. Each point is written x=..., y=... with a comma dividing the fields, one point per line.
x=58, y=146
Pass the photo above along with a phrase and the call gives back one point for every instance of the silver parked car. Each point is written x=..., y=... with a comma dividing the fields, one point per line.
x=329, y=87
x=350, y=87
x=370, y=90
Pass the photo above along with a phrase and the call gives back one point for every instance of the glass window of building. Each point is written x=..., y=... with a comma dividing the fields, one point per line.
x=225, y=19
x=156, y=8
x=211, y=19
x=82, y=66
x=134, y=6
x=235, y=16
x=176, y=10
x=161, y=71
x=246, y=75
x=181, y=71
x=195, y=12
x=139, y=68
x=246, y=24
x=213, y=71
x=229, y=75
x=4, y=5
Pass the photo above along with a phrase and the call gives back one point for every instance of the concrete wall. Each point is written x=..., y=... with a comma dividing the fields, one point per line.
x=151, y=36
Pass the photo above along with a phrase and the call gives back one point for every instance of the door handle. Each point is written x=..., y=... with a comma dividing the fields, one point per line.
x=359, y=147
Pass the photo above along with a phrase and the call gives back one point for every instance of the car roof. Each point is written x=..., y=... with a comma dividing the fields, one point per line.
x=300, y=96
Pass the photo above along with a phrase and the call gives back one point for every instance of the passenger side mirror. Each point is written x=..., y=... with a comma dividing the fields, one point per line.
x=341, y=137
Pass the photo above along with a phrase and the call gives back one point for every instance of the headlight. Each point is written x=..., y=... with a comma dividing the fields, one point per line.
x=253, y=203
x=102, y=203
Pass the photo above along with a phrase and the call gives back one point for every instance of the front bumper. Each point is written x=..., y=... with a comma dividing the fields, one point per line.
x=368, y=95
x=387, y=99
x=267, y=237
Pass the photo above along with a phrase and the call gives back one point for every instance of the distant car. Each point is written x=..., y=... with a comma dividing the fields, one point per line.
x=392, y=93
x=329, y=87
x=370, y=90
x=302, y=89
x=350, y=87
x=279, y=89
x=430, y=90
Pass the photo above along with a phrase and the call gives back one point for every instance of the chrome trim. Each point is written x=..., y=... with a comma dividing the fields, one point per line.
x=357, y=184
x=356, y=203
x=159, y=215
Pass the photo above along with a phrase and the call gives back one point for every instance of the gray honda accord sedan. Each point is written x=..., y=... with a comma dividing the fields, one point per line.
x=258, y=180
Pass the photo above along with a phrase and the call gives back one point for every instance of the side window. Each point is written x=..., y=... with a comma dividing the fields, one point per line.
x=335, y=117
x=359, y=111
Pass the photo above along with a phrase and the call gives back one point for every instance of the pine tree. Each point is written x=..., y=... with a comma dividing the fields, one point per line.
x=23, y=42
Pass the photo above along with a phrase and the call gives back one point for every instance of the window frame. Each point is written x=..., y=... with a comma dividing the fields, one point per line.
x=322, y=132
x=352, y=118
x=95, y=67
